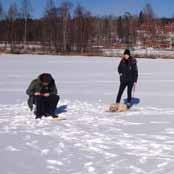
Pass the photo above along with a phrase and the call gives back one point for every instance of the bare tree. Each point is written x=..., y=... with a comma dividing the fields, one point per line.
x=150, y=23
x=108, y=30
x=82, y=28
x=126, y=27
x=26, y=14
x=141, y=18
x=98, y=34
x=51, y=24
x=148, y=12
x=1, y=11
x=120, y=28
x=65, y=15
x=12, y=12
x=12, y=16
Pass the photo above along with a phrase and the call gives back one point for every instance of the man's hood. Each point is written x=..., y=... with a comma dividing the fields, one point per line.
x=47, y=76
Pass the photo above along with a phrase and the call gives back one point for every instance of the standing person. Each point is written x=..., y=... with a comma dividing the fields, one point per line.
x=128, y=72
x=43, y=93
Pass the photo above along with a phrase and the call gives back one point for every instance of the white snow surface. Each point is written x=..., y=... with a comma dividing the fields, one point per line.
x=90, y=140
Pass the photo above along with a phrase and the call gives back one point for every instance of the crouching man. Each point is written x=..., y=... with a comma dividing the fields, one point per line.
x=42, y=93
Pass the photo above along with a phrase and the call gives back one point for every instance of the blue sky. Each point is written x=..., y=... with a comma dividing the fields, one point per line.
x=162, y=8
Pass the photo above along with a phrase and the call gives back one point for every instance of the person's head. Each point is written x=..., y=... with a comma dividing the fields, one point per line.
x=45, y=79
x=126, y=54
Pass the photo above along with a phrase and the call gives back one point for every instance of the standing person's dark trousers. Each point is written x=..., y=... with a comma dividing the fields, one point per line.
x=46, y=106
x=122, y=87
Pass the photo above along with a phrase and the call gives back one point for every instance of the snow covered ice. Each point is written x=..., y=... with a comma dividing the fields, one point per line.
x=90, y=140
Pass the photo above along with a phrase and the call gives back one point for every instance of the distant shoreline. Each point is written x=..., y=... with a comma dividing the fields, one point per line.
x=110, y=53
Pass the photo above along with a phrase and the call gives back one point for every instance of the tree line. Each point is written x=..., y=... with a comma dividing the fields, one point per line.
x=67, y=28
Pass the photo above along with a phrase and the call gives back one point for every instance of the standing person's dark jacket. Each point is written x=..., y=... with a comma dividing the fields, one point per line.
x=36, y=86
x=128, y=70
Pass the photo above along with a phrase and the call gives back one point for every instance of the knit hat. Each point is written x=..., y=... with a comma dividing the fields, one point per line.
x=127, y=52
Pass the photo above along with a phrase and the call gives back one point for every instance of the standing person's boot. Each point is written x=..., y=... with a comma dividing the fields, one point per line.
x=54, y=116
x=128, y=105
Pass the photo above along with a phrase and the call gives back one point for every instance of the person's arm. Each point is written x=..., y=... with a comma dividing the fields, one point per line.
x=53, y=89
x=120, y=67
x=31, y=89
x=135, y=70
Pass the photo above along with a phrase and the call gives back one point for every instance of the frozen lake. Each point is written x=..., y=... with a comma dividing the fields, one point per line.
x=91, y=140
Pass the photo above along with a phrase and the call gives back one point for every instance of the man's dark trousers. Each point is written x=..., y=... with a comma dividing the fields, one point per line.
x=46, y=105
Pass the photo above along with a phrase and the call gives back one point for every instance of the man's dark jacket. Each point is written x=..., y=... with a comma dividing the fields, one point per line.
x=128, y=70
x=36, y=86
